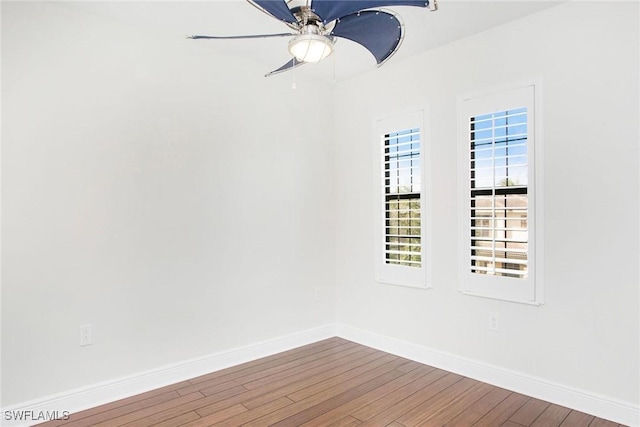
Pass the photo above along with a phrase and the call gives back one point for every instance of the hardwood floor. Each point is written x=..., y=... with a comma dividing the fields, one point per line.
x=334, y=383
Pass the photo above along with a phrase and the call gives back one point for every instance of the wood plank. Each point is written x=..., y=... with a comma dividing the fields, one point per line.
x=354, y=367
x=212, y=386
x=374, y=408
x=339, y=379
x=178, y=421
x=479, y=409
x=248, y=398
x=217, y=416
x=346, y=422
x=528, y=413
x=462, y=402
x=553, y=416
x=599, y=422
x=373, y=396
x=577, y=419
x=437, y=402
x=411, y=365
x=394, y=412
x=303, y=416
x=258, y=412
x=251, y=394
x=502, y=411
x=311, y=401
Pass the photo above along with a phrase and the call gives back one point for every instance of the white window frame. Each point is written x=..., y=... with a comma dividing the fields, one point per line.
x=527, y=290
x=417, y=277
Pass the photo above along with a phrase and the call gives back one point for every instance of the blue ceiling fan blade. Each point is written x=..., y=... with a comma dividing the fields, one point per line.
x=329, y=10
x=294, y=63
x=379, y=32
x=276, y=8
x=248, y=36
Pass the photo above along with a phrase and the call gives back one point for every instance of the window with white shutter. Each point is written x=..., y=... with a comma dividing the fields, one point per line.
x=498, y=180
x=400, y=201
x=402, y=230
x=500, y=236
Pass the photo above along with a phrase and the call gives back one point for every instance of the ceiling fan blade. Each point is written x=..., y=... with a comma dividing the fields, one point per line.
x=250, y=36
x=294, y=63
x=275, y=8
x=379, y=32
x=329, y=10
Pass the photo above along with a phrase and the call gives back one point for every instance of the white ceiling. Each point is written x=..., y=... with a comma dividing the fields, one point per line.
x=424, y=30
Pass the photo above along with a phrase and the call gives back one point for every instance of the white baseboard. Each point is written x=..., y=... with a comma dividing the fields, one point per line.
x=119, y=388
x=590, y=403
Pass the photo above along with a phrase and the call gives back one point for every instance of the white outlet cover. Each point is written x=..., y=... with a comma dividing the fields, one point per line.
x=86, y=335
x=494, y=321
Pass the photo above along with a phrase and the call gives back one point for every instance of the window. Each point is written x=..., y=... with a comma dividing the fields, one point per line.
x=401, y=163
x=501, y=235
x=400, y=201
x=498, y=193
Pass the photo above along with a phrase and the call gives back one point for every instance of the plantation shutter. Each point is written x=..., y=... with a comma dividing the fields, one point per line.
x=498, y=193
x=400, y=186
x=402, y=204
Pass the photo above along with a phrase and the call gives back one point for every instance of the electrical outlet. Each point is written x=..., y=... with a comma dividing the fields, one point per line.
x=316, y=294
x=494, y=321
x=86, y=335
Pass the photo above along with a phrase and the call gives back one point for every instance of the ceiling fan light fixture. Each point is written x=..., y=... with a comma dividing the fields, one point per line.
x=310, y=47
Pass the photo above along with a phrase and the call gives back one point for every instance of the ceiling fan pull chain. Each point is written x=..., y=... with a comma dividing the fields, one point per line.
x=294, y=86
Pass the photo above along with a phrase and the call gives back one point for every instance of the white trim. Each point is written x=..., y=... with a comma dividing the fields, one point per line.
x=108, y=391
x=601, y=406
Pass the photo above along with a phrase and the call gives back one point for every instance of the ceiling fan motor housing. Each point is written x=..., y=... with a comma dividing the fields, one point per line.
x=311, y=45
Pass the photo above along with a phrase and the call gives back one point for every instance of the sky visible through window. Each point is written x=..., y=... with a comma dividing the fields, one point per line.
x=499, y=149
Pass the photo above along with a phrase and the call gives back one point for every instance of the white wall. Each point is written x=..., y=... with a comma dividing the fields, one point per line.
x=586, y=335
x=143, y=193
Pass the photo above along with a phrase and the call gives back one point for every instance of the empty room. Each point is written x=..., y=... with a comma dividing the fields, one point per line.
x=320, y=213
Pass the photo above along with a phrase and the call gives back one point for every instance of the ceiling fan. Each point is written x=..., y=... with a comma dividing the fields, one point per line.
x=316, y=25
